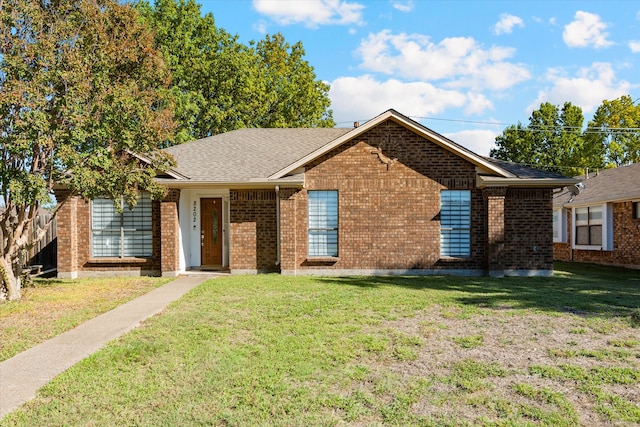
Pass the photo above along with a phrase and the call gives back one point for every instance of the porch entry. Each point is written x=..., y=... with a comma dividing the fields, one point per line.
x=211, y=232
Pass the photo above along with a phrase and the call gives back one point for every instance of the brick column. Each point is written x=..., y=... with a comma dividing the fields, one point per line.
x=67, y=234
x=170, y=235
x=495, y=230
x=288, y=229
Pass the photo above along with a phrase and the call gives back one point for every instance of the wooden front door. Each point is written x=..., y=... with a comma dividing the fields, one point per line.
x=211, y=232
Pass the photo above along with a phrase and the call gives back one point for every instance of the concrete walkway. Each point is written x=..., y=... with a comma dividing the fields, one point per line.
x=22, y=375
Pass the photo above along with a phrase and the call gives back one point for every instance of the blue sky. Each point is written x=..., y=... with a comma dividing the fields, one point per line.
x=465, y=69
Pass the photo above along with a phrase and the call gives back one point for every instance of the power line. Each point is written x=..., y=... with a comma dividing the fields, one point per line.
x=441, y=119
x=460, y=121
x=534, y=128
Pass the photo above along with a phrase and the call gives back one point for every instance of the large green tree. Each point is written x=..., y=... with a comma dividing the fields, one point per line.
x=80, y=107
x=220, y=84
x=616, y=128
x=292, y=97
x=212, y=72
x=553, y=140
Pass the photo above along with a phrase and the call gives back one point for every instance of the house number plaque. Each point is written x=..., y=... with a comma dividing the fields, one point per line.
x=195, y=214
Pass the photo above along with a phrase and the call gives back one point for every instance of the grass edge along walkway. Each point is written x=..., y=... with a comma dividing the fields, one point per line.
x=22, y=375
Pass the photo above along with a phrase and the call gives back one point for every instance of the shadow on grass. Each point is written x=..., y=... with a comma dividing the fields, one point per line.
x=578, y=288
x=43, y=282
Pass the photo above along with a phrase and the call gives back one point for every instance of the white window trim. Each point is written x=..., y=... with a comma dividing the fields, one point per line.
x=607, y=229
x=562, y=216
x=335, y=229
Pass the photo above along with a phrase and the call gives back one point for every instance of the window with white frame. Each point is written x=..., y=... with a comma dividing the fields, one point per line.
x=455, y=223
x=121, y=234
x=589, y=226
x=323, y=223
x=559, y=226
x=636, y=210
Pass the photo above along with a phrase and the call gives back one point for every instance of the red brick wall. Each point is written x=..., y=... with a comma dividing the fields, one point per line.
x=388, y=217
x=289, y=230
x=253, y=234
x=74, y=249
x=562, y=250
x=170, y=235
x=495, y=211
x=528, y=230
x=67, y=234
x=626, y=241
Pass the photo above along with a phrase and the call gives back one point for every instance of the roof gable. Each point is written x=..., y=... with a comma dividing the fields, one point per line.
x=482, y=163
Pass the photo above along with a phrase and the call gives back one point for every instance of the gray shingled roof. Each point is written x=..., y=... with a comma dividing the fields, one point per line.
x=608, y=185
x=522, y=171
x=255, y=154
x=248, y=153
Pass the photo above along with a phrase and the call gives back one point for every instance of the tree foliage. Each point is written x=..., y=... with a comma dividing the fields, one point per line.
x=616, y=128
x=220, y=84
x=552, y=141
x=292, y=96
x=80, y=103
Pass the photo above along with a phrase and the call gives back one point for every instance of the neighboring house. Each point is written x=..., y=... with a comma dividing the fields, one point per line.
x=598, y=221
x=387, y=197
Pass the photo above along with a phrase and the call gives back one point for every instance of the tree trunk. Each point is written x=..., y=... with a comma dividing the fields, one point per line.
x=9, y=279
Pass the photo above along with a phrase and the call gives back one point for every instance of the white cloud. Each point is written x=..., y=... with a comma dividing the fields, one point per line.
x=506, y=23
x=312, y=13
x=586, y=30
x=260, y=27
x=499, y=76
x=364, y=97
x=403, y=6
x=477, y=103
x=461, y=61
x=587, y=89
x=634, y=45
x=480, y=141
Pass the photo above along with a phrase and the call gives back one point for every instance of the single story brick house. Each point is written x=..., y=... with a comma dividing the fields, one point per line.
x=599, y=220
x=387, y=197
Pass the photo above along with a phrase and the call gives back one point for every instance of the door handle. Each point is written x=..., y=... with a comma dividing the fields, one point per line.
x=202, y=240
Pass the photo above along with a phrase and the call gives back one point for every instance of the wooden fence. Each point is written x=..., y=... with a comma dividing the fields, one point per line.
x=43, y=253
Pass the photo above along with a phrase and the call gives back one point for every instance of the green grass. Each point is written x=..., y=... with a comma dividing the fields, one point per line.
x=54, y=306
x=288, y=351
x=471, y=341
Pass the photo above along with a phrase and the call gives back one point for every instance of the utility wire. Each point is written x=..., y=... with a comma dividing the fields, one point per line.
x=534, y=128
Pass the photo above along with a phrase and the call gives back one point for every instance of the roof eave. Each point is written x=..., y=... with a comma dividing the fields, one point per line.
x=399, y=118
x=581, y=203
x=493, y=181
x=175, y=174
x=171, y=171
x=250, y=184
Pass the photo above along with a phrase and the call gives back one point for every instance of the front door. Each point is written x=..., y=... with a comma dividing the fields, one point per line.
x=211, y=232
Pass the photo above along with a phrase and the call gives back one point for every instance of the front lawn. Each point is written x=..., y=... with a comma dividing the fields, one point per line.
x=53, y=306
x=303, y=351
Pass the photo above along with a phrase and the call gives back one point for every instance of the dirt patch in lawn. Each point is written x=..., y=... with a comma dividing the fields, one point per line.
x=534, y=367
